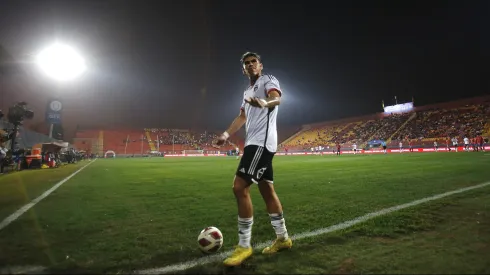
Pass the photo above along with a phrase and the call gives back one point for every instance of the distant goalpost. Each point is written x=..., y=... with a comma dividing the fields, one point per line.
x=199, y=152
x=110, y=152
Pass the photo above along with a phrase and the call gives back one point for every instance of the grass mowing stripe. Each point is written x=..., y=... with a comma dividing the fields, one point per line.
x=340, y=226
x=28, y=206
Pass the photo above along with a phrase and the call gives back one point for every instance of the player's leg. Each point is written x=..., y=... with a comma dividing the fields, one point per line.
x=274, y=208
x=241, y=190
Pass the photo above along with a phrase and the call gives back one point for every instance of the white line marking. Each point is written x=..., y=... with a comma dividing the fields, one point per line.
x=14, y=216
x=28, y=269
x=218, y=257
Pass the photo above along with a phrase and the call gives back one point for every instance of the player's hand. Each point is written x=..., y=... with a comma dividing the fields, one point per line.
x=256, y=102
x=220, y=141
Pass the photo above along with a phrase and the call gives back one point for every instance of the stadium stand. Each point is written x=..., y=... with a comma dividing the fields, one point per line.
x=145, y=141
x=423, y=125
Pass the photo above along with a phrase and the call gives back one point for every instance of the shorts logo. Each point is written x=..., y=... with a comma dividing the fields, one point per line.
x=242, y=170
x=255, y=88
x=261, y=172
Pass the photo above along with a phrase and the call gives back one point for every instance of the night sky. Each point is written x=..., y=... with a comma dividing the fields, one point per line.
x=176, y=63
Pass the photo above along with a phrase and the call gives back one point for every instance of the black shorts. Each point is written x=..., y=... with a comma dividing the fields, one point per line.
x=256, y=164
x=384, y=147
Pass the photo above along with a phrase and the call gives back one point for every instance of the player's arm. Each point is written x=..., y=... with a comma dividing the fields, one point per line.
x=237, y=123
x=273, y=99
x=234, y=126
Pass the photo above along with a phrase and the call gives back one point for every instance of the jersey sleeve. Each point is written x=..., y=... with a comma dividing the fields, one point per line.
x=272, y=84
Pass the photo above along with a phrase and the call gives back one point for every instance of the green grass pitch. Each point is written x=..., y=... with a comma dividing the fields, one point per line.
x=121, y=215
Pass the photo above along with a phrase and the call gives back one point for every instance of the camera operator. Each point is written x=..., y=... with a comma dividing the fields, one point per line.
x=3, y=155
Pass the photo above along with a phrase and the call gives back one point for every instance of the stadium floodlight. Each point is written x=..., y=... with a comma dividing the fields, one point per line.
x=61, y=62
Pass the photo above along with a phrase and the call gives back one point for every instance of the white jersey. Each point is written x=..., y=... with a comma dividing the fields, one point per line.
x=354, y=146
x=466, y=140
x=261, y=122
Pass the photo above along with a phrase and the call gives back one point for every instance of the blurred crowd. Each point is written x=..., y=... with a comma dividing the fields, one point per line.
x=469, y=120
x=195, y=140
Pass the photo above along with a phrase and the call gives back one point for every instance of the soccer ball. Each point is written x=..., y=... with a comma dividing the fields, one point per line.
x=210, y=240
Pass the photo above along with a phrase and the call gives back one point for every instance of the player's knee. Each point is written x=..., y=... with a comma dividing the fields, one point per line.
x=267, y=190
x=240, y=187
x=240, y=191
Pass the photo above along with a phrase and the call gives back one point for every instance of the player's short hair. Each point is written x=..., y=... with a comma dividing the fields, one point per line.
x=248, y=54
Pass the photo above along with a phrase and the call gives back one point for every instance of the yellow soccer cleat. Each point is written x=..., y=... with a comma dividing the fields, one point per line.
x=278, y=245
x=239, y=255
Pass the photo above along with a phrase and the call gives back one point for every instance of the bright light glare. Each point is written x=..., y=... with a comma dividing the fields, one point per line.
x=61, y=62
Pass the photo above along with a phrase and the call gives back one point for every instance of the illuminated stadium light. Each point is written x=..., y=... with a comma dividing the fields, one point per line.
x=61, y=62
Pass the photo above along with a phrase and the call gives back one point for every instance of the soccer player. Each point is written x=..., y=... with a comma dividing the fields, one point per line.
x=455, y=144
x=338, y=148
x=259, y=114
x=435, y=146
x=480, y=142
x=383, y=143
x=466, y=141
x=354, y=148
x=474, y=145
x=401, y=146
